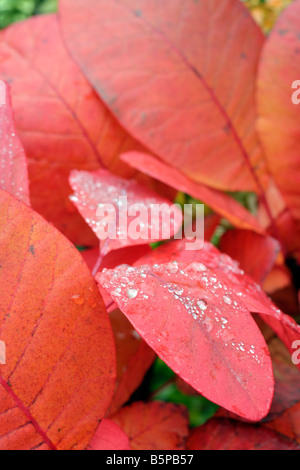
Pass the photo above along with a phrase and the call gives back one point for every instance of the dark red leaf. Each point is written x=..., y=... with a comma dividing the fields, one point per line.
x=224, y=434
x=154, y=426
x=134, y=357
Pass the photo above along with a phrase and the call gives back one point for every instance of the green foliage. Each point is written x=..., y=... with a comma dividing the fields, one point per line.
x=17, y=10
x=164, y=388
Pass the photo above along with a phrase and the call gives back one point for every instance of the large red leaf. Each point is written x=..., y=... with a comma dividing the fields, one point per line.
x=100, y=189
x=134, y=358
x=13, y=163
x=187, y=90
x=256, y=254
x=127, y=255
x=60, y=120
x=154, y=426
x=195, y=321
x=59, y=375
x=109, y=436
x=224, y=434
x=218, y=201
x=249, y=292
x=279, y=117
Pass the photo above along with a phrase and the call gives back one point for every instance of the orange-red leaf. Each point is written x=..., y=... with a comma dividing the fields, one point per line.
x=154, y=426
x=279, y=117
x=13, y=163
x=61, y=121
x=59, y=375
x=218, y=201
x=187, y=90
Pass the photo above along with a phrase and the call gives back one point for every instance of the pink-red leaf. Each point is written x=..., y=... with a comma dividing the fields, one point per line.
x=59, y=375
x=255, y=253
x=249, y=292
x=218, y=201
x=101, y=189
x=199, y=326
x=13, y=163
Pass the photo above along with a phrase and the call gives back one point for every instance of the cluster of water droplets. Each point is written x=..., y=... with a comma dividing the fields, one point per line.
x=213, y=308
x=122, y=201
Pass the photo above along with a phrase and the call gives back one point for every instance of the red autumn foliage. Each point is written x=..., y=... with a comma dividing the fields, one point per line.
x=156, y=102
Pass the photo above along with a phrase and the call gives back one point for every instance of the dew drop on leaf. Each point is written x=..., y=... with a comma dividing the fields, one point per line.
x=202, y=304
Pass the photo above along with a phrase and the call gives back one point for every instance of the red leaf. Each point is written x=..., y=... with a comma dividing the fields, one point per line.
x=109, y=436
x=288, y=424
x=98, y=189
x=279, y=118
x=61, y=121
x=127, y=255
x=256, y=254
x=154, y=426
x=249, y=292
x=287, y=380
x=134, y=357
x=218, y=201
x=191, y=316
x=59, y=375
x=189, y=84
x=14, y=177
x=224, y=434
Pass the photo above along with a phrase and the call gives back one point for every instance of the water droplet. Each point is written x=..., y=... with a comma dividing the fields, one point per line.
x=132, y=293
x=77, y=299
x=227, y=300
x=202, y=304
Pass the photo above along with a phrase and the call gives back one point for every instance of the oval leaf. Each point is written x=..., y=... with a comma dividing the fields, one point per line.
x=59, y=375
x=190, y=81
x=200, y=328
